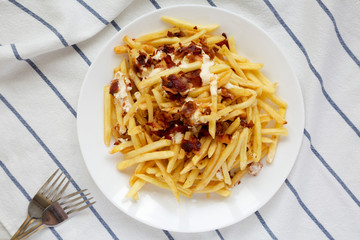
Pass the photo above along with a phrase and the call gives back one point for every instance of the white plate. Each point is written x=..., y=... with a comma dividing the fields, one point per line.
x=158, y=207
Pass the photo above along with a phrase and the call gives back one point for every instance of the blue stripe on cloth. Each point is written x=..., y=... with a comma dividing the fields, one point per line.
x=262, y=221
x=23, y=191
x=316, y=73
x=116, y=26
x=22, y=7
x=168, y=235
x=219, y=234
x=41, y=74
x=56, y=161
x=343, y=44
x=327, y=166
x=302, y=204
x=156, y=5
x=211, y=3
x=96, y=14
x=81, y=54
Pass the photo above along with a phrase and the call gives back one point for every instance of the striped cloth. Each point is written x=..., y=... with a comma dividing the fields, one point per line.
x=46, y=49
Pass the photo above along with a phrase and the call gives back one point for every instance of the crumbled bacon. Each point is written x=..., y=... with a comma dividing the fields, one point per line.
x=169, y=62
x=244, y=123
x=195, y=27
x=225, y=41
x=176, y=34
x=117, y=142
x=114, y=87
x=181, y=83
x=188, y=109
x=177, y=98
x=191, y=48
x=162, y=120
x=255, y=168
x=191, y=145
x=209, y=51
x=219, y=129
x=175, y=84
x=204, y=132
x=167, y=48
x=194, y=78
x=224, y=34
x=224, y=138
x=141, y=58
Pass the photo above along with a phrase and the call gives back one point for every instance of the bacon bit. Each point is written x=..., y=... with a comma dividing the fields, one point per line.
x=224, y=138
x=166, y=48
x=225, y=41
x=169, y=62
x=194, y=78
x=176, y=34
x=255, y=168
x=117, y=142
x=192, y=49
x=209, y=51
x=243, y=123
x=114, y=87
x=204, y=132
x=224, y=34
x=195, y=28
x=177, y=98
x=188, y=109
x=191, y=145
x=162, y=120
x=219, y=129
x=141, y=58
x=180, y=83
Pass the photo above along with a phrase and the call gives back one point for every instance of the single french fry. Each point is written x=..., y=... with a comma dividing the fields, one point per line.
x=232, y=46
x=257, y=135
x=194, y=37
x=233, y=126
x=243, y=151
x=236, y=178
x=121, y=49
x=183, y=24
x=219, y=68
x=145, y=157
x=107, y=115
x=191, y=178
x=148, y=148
x=156, y=35
x=212, y=148
x=274, y=131
x=139, y=183
x=273, y=145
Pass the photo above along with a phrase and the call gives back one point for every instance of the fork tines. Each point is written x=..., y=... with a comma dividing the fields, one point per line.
x=55, y=190
x=70, y=203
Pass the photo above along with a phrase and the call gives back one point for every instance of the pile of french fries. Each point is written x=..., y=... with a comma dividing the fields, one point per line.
x=217, y=166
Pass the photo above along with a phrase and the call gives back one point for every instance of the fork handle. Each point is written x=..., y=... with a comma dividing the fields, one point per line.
x=29, y=232
x=23, y=226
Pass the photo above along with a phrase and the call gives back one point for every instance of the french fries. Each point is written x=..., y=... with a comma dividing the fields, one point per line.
x=191, y=114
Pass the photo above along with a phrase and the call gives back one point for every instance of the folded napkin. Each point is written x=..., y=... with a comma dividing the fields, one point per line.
x=46, y=49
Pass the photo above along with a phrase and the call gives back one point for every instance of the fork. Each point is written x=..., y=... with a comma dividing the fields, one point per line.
x=59, y=211
x=46, y=195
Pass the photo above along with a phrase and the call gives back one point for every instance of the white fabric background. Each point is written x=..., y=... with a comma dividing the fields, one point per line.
x=320, y=198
